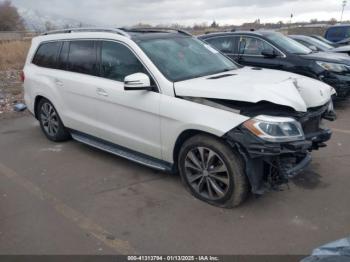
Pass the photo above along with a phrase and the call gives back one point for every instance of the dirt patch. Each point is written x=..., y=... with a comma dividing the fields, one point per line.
x=12, y=59
x=11, y=93
x=13, y=54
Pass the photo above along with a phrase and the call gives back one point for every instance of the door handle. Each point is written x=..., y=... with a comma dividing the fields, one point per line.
x=58, y=82
x=101, y=92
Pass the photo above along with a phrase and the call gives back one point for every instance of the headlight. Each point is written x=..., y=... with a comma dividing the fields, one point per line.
x=333, y=67
x=275, y=129
x=331, y=106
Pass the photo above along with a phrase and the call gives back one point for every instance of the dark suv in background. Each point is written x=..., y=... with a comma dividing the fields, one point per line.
x=273, y=50
x=338, y=33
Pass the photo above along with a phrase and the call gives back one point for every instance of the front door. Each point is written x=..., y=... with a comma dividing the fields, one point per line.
x=126, y=118
x=250, y=53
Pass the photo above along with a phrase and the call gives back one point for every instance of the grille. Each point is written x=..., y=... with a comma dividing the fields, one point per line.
x=312, y=125
x=311, y=122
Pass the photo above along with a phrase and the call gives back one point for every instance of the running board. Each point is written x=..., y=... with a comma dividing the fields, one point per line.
x=122, y=152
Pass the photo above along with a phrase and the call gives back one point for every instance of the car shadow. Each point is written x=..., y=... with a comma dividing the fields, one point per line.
x=341, y=103
x=310, y=178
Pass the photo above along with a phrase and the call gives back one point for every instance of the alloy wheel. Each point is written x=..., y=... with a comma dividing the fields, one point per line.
x=207, y=173
x=49, y=119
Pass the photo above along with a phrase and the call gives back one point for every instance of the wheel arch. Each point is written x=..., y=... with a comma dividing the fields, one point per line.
x=183, y=137
x=37, y=100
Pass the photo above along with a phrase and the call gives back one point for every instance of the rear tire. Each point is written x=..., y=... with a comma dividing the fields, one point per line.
x=212, y=171
x=50, y=122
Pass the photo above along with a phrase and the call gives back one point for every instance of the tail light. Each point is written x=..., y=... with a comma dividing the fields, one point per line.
x=22, y=77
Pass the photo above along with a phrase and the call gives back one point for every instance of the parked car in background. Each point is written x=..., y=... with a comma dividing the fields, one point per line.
x=268, y=49
x=345, y=41
x=337, y=33
x=321, y=38
x=165, y=99
x=319, y=46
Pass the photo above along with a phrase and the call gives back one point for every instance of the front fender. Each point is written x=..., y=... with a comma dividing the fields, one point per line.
x=178, y=115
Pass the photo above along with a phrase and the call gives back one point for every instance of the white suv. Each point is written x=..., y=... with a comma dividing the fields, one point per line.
x=167, y=100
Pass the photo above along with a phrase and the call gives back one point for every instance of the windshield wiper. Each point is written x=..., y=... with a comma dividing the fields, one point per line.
x=205, y=74
x=221, y=76
x=305, y=53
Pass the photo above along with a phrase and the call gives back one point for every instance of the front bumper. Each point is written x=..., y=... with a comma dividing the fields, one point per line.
x=298, y=167
x=341, y=83
x=274, y=164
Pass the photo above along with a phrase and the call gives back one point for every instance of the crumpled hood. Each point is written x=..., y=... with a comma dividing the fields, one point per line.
x=251, y=85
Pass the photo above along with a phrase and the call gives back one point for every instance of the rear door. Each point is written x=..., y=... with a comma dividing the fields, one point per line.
x=77, y=79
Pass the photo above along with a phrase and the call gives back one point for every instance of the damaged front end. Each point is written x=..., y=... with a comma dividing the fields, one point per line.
x=276, y=146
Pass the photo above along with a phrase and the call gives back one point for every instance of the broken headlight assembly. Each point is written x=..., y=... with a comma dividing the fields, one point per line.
x=334, y=67
x=275, y=129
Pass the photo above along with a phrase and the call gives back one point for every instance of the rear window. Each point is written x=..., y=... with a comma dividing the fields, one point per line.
x=47, y=53
x=82, y=57
x=225, y=44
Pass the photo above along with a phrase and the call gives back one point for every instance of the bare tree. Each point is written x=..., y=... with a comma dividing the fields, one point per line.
x=214, y=24
x=333, y=21
x=10, y=20
x=49, y=26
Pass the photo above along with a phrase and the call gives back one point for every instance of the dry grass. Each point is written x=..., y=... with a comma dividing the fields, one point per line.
x=13, y=54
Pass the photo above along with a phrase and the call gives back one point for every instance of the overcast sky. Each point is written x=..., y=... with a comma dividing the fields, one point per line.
x=187, y=12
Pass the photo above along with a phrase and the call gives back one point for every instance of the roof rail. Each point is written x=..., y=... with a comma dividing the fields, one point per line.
x=76, y=30
x=219, y=32
x=154, y=30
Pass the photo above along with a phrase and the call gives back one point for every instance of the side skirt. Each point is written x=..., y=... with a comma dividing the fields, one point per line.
x=122, y=152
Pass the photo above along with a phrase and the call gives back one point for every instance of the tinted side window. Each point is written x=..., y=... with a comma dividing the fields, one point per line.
x=224, y=44
x=63, y=57
x=83, y=57
x=336, y=32
x=117, y=62
x=46, y=56
x=253, y=46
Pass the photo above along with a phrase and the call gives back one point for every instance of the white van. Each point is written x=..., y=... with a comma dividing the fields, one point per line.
x=162, y=98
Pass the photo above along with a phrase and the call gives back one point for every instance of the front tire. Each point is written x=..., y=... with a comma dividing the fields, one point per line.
x=213, y=172
x=51, y=123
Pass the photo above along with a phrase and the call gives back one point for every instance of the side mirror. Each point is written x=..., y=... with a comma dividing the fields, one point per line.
x=138, y=81
x=313, y=48
x=269, y=53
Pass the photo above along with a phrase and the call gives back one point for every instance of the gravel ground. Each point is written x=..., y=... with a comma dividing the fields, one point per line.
x=11, y=93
